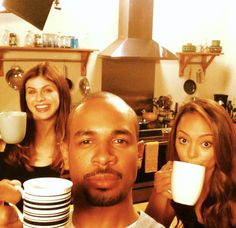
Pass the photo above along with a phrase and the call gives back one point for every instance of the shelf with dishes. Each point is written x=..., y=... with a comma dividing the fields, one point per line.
x=202, y=58
x=82, y=57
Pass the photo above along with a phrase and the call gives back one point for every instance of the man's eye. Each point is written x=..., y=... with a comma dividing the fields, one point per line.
x=119, y=141
x=183, y=140
x=85, y=142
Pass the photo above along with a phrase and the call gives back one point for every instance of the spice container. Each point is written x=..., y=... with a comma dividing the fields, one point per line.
x=12, y=40
x=38, y=42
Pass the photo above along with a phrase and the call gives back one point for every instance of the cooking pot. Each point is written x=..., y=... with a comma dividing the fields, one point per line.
x=149, y=116
x=14, y=77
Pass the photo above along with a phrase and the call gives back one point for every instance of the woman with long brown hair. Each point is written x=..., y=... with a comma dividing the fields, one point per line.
x=204, y=134
x=45, y=97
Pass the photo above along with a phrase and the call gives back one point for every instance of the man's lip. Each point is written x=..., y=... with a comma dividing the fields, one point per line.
x=103, y=181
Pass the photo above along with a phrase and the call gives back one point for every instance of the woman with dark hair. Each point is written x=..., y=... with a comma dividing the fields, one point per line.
x=204, y=134
x=45, y=97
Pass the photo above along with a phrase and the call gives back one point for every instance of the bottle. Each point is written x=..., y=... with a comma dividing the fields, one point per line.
x=38, y=40
x=12, y=40
x=29, y=39
x=230, y=108
x=5, y=38
x=234, y=115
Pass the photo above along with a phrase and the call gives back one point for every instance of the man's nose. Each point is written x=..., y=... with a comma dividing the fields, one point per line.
x=103, y=155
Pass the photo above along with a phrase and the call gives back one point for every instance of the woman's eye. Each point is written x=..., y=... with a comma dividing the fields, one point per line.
x=31, y=91
x=48, y=90
x=206, y=144
x=183, y=140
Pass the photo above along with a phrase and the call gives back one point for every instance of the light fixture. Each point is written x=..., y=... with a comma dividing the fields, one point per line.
x=33, y=11
x=57, y=4
x=2, y=8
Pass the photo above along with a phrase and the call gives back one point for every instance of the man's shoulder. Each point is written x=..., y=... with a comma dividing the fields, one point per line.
x=147, y=221
x=144, y=220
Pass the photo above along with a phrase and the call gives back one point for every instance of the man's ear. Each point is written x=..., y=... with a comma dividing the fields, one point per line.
x=65, y=155
x=140, y=153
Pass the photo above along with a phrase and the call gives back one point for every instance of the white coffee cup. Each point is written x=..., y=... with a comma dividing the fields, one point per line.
x=13, y=126
x=46, y=202
x=186, y=182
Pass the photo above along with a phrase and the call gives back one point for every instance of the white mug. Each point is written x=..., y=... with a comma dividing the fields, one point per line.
x=46, y=202
x=186, y=182
x=13, y=126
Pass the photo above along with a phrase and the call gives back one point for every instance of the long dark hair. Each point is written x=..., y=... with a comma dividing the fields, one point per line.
x=20, y=155
x=218, y=209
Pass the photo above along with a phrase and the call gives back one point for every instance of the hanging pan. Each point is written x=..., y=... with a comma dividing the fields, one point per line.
x=190, y=85
x=84, y=86
x=14, y=77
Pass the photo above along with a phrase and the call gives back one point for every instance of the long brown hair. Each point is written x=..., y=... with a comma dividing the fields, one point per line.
x=21, y=154
x=218, y=207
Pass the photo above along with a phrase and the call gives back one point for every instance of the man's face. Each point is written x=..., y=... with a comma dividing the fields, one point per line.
x=103, y=153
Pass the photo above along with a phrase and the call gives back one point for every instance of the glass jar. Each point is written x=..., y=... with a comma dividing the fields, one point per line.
x=12, y=40
x=38, y=40
x=5, y=38
x=29, y=39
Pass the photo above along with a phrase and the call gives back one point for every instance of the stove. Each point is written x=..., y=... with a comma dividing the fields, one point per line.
x=144, y=181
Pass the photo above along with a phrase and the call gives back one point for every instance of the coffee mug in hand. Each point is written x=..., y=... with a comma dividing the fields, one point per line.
x=46, y=202
x=13, y=126
x=186, y=182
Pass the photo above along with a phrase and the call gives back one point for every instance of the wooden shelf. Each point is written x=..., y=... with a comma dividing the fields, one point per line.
x=202, y=58
x=82, y=59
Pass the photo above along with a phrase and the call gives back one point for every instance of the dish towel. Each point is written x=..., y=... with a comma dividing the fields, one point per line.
x=151, y=157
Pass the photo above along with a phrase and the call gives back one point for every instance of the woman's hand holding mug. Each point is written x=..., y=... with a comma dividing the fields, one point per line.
x=162, y=182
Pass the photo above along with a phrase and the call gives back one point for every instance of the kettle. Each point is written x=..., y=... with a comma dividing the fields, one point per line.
x=221, y=99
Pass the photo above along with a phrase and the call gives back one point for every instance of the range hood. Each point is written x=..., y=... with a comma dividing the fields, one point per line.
x=135, y=34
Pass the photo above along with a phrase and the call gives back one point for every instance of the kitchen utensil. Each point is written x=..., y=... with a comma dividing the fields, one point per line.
x=65, y=71
x=14, y=76
x=189, y=85
x=200, y=76
x=149, y=116
x=84, y=86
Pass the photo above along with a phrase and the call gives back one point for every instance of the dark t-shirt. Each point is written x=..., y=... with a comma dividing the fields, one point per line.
x=20, y=173
x=187, y=215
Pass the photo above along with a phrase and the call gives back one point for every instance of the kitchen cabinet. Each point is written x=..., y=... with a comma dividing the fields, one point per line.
x=77, y=55
x=202, y=58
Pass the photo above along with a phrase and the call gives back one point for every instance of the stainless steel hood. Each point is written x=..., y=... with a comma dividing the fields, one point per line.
x=135, y=33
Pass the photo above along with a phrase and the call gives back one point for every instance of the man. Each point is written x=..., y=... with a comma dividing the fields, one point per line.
x=104, y=155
